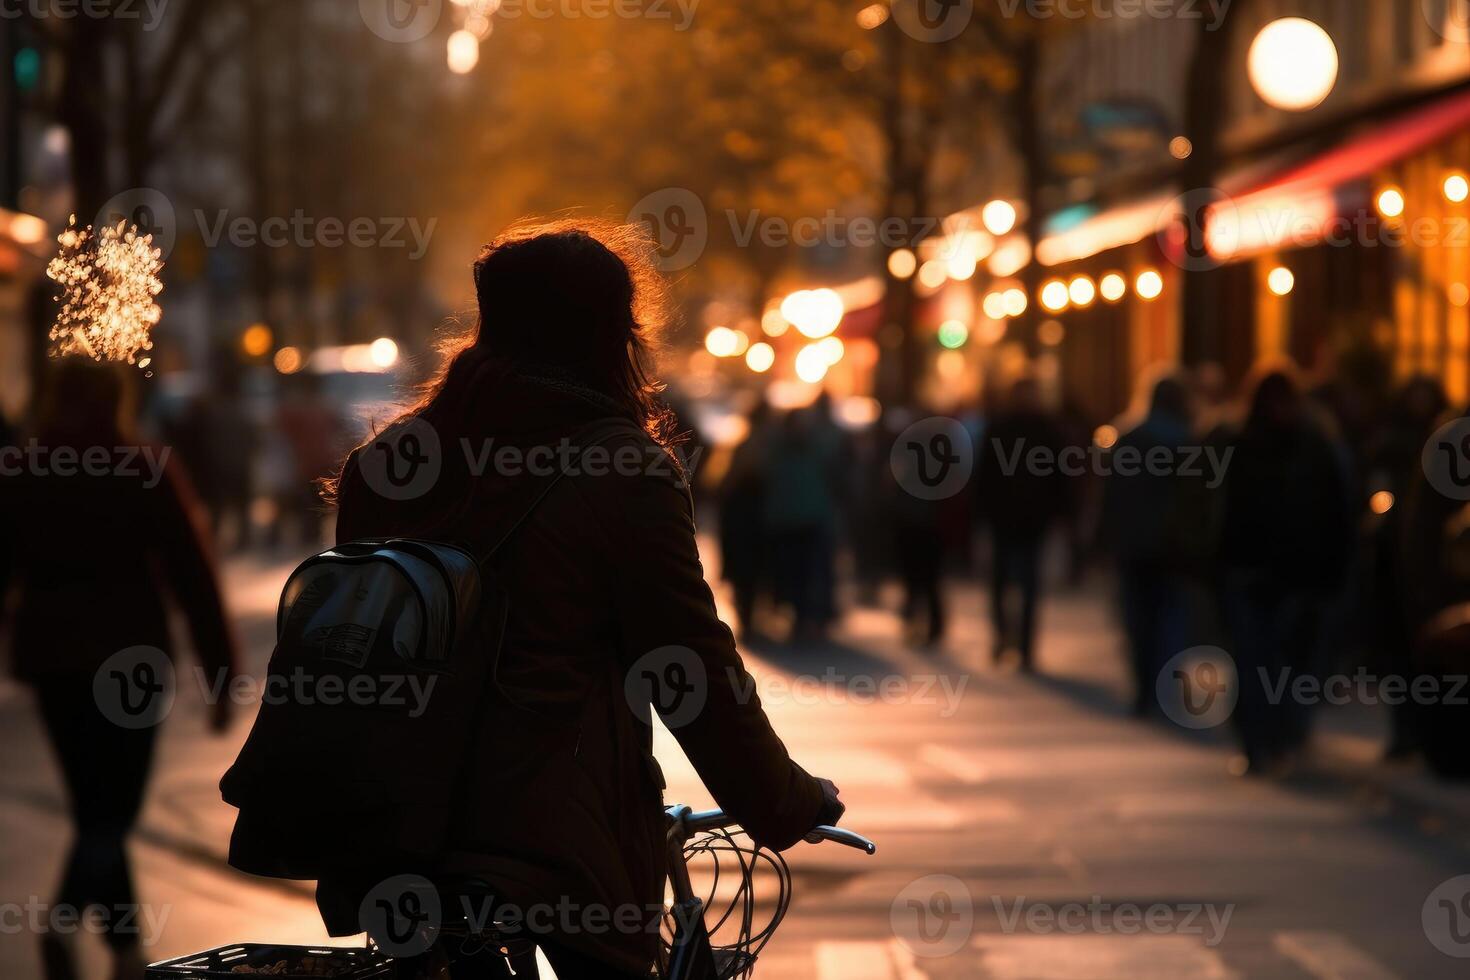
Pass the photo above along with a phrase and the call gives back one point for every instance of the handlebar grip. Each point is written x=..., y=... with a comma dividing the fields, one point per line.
x=839, y=836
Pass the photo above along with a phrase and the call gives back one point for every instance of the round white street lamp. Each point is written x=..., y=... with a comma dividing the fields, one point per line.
x=1293, y=64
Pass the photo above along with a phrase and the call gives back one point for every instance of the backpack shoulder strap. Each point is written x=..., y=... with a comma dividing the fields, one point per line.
x=594, y=434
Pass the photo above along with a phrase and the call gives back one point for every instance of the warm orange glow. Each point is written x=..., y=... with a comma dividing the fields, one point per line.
x=760, y=357
x=1293, y=64
x=1016, y=301
x=902, y=263
x=1149, y=285
x=812, y=363
x=384, y=352
x=722, y=342
x=1055, y=296
x=1082, y=292
x=773, y=323
x=933, y=274
x=288, y=360
x=872, y=16
x=1456, y=188
x=814, y=313
x=1281, y=281
x=463, y=52
x=256, y=340
x=1391, y=202
x=995, y=306
x=999, y=217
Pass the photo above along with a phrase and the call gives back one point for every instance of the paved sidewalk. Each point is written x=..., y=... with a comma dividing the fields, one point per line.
x=1034, y=796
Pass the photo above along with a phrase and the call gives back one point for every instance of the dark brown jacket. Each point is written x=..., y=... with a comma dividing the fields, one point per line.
x=564, y=805
x=95, y=552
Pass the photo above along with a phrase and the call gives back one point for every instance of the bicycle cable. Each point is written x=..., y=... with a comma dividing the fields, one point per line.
x=747, y=942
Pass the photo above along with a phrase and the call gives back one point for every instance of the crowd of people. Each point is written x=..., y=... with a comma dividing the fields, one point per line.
x=1292, y=526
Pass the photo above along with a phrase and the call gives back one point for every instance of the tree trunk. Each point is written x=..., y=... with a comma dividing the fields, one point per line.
x=1204, y=115
x=899, y=375
x=1032, y=151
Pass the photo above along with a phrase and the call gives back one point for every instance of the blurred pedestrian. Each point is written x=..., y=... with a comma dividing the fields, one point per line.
x=1080, y=505
x=1141, y=529
x=917, y=527
x=801, y=513
x=94, y=550
x=744, y=541
x=1436, y=593
x=871, y=484
x=1022, y=493
x=1392, y=463
x=229, y=459
x=316, y=438
x=1285, y=537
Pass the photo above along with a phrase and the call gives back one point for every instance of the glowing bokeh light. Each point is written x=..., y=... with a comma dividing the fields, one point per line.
x=1081, y=291
x=1293, y=64
x=814, y=313
x=1015, y=301
x=932, y=274
x=1055, y=296
x=902, y=263
x=384, y=352
x=1391, y=202
x=721, y=342
x=1280, y=280
x=953, y=334
x=999, y=217
x=812, y=364
x=463, y=52
x=1149, y=284
x=1456, y=188
x=257, y=339
x=760, y=357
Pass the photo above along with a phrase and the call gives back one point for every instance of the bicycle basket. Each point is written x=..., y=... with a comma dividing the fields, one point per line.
x=269, y=960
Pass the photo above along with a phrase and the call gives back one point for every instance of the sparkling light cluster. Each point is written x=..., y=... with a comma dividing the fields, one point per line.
x=109, y=287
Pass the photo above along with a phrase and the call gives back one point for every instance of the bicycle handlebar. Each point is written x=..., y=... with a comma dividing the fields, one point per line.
x=839, y=836
x=692, y=822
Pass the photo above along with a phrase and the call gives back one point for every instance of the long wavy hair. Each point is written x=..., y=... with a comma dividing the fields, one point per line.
x=577, y=300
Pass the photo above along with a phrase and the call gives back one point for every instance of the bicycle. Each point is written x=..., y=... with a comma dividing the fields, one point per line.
x=690, y=951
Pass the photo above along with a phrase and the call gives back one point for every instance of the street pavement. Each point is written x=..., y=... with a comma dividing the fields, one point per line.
x=1027, y=829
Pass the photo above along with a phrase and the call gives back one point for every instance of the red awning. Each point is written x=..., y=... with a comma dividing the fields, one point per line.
x=1382, y=146
x=1296, y=207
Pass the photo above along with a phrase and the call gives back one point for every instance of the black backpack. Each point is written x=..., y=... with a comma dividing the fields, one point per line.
x=385, y=659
